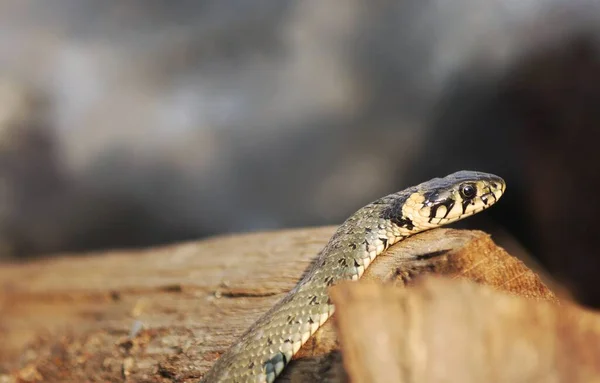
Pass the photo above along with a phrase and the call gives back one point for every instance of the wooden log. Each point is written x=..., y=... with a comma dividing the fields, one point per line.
x=166, y=314
x=456, y=331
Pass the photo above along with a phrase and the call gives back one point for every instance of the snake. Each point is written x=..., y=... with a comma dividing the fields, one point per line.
x=264, y=350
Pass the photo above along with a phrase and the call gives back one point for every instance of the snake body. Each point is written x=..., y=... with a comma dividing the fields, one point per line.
x=265, y=349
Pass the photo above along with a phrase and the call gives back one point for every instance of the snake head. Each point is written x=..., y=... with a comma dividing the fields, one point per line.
x=454, y=197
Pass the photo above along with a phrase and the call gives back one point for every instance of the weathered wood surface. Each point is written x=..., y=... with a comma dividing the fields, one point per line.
x=73, y=318
x=452, y=331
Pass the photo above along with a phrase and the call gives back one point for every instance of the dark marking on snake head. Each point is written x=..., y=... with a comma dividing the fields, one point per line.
x=393, y=211
x=465, y=204
x=434, y=194
x=368, y=230
x=356, y=264
x=448, y=204
x=312, y=300
x=310, y=320
x=251, y=364
x=329, y=280
x=484, y=199
x=290, y=319
x=352, y=246
x=403, y=222
x=269, y=341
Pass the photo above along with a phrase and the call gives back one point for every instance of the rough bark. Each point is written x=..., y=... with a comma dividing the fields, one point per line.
x=166, y=314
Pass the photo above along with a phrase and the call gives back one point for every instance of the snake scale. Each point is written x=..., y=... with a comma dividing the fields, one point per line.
x=265, y=349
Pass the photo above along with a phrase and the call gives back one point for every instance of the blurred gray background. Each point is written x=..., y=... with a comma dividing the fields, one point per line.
x=126, y=124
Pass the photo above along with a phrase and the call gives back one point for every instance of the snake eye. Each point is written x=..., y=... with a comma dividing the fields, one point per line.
x=467, y=191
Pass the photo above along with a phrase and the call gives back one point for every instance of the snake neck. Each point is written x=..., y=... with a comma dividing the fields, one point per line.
x=269, y=345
